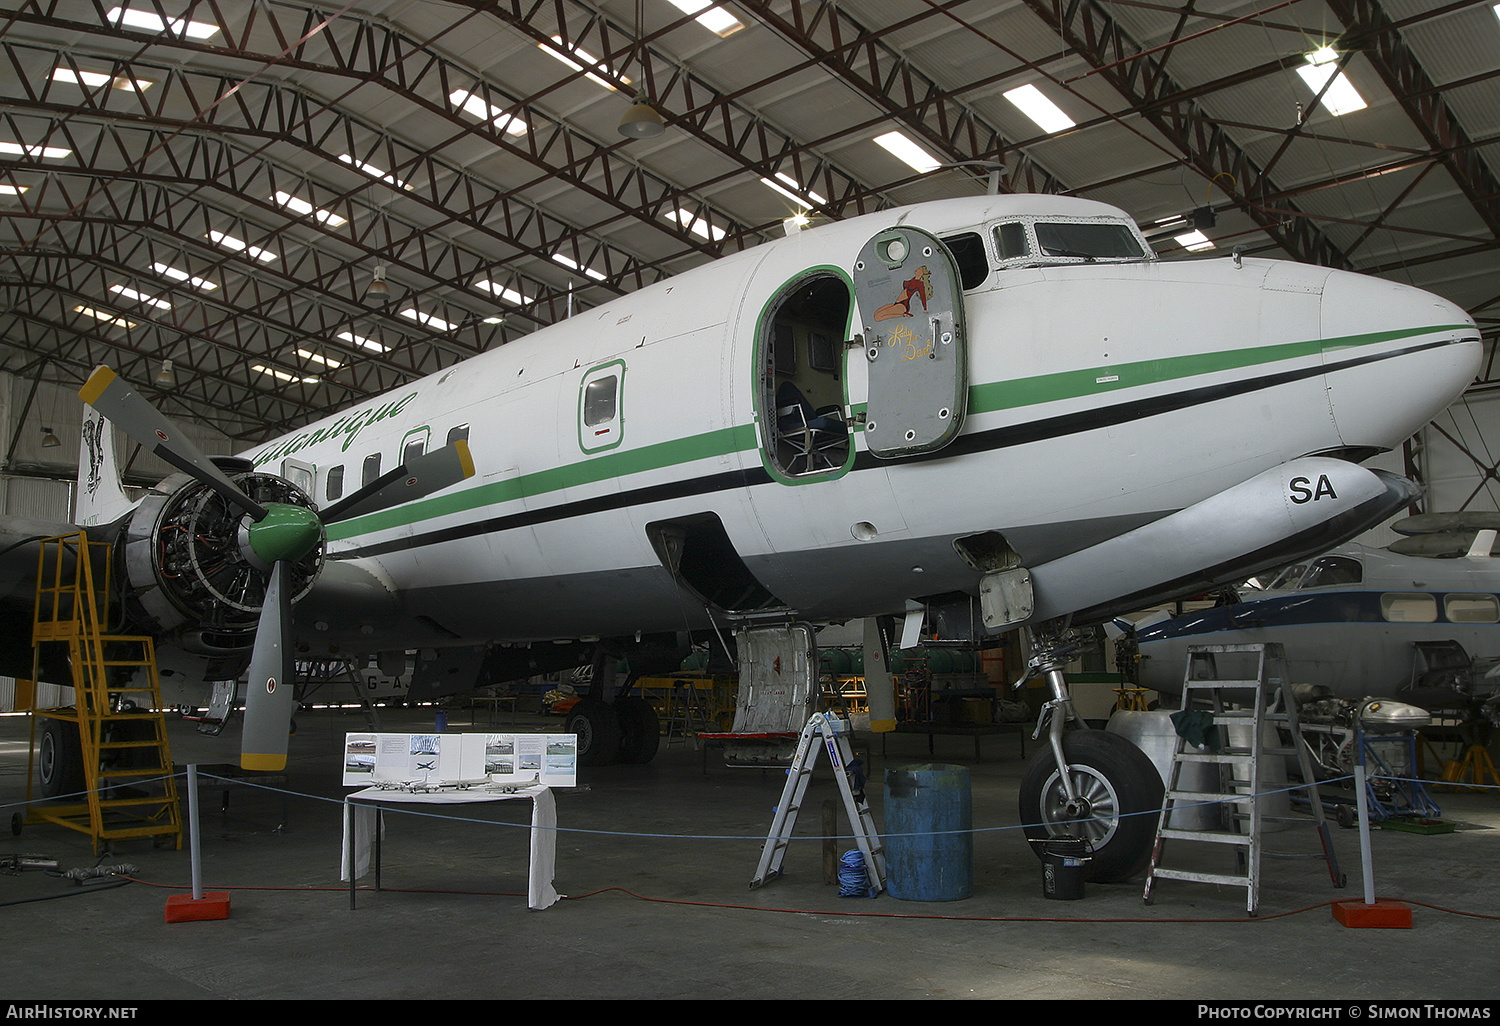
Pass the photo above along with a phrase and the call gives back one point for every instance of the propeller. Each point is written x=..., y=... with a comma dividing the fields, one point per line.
x=272, y=537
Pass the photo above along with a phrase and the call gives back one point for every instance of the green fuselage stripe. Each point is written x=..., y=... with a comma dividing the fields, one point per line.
x=986, y=398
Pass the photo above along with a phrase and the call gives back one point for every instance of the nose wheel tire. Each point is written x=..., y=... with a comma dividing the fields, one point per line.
x=1119, y=798
x=60, y=759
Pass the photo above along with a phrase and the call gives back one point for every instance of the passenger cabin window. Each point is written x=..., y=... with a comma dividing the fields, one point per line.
x=413, y=449
x=458, y=434
x=371, y=469
x=600, y=407
x=801, y=389
x=333, y=487
x=1408, y=607
x=1471, y=608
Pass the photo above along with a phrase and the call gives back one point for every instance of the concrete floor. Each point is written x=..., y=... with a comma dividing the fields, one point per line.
x=658, y=904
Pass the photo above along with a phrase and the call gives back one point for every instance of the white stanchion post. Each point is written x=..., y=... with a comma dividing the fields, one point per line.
x=193, y=851
x=1362, y=803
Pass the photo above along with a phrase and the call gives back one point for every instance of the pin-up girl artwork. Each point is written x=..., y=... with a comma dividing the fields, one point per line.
x=919, y=286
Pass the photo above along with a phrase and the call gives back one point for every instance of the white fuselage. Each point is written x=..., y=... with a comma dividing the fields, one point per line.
x=1101, y=395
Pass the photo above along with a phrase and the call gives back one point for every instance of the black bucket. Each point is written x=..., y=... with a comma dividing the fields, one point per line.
x=1064, y=862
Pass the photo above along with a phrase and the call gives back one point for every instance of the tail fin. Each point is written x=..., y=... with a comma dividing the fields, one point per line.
x=101, y=499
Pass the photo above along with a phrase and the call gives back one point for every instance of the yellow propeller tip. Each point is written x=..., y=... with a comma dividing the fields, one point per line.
x=262, y=763
x=98, y=381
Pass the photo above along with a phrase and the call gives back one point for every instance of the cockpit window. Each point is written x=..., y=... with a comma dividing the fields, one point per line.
x=1011, y=240
x=1092, y=241
x=1327, y=570
x=968, y=253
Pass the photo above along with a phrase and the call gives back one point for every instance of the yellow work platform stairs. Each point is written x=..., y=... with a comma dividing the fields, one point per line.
x=109, y=748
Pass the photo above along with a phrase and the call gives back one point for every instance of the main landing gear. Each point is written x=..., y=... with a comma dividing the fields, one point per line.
x=612, y=726
x=1087, y=783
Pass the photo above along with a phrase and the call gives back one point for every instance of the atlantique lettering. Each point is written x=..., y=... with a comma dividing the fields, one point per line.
x=350, y=425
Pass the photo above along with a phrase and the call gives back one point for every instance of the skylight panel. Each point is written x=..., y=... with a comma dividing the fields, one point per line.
x=95, y=79
x=45, y=152
x=239, y=246
x=574, y=265
x=479, y=107
x=362, y=342
x=1341, y=97
x=281, y=375
x=1045, y=114
x=715, y=19
x=428, y=319
x=308, y=354
x=1194, y=241
x=501, y=292
x=176, y=274
x=374, y=172
x=140, y=297
x=587, y=58
x=151, y=22
x=299, y=205
x=13, y=190
x=787, y=186
x=697, y=224
x=105, y=316
x=908, y=152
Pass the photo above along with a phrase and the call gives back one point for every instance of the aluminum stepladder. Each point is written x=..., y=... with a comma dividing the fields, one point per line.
x=822, y=731
x=1203, y=691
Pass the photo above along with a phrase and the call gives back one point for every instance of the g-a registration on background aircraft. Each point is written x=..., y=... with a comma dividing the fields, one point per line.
x=858, y=421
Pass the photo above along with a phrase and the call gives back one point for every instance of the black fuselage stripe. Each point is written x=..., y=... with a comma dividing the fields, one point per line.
x=968, y=444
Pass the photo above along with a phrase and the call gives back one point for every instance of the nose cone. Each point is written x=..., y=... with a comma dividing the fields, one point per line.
x=1394, y=357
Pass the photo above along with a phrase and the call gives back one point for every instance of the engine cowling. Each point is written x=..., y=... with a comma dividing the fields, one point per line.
x=189, y=572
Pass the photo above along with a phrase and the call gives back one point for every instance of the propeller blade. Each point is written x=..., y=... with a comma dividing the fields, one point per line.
x=108, y=393
x=414, y=479
x=270, y=692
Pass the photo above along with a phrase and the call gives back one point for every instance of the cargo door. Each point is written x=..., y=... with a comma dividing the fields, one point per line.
x=910, y=301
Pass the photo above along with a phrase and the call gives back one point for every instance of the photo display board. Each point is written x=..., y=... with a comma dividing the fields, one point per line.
x=438, y=760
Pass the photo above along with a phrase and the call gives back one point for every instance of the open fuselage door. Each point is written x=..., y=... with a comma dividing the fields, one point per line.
x=910, y=300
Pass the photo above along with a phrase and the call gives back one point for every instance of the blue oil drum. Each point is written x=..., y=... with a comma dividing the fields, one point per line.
x=929, y=844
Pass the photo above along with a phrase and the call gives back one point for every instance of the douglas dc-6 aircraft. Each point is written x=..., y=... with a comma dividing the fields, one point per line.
x=999, y=412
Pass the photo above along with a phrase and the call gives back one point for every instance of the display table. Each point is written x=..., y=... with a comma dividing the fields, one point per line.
x=364, y=822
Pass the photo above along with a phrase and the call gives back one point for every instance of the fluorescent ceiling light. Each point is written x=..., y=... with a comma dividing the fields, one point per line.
x=13, y=190
x=361, y=341
x=168, y=271
x=697, y=224
x=908, y=152
x=587, y=58
x=480, y=108
x=104, y=316
x=1194, y=241
x=299, y=205
x=308, y=354
x=281, y=375
x=238, y=245
x=45, y=152
x=427, y=319
x=1047, y=115
x=1341, y=97
x=155, y=23
x=140, y=297
x=715, y=19
x=501, y=292
x=575, y=266
x=95, y=79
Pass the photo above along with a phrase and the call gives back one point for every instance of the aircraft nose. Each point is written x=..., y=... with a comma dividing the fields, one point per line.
x=1394, y=357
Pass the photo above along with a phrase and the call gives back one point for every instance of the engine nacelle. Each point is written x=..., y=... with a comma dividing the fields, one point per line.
x=186, y=569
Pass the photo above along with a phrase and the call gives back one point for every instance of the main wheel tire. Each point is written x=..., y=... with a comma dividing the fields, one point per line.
x=60, y=759
x=640, y=731
x=1124, y=792
x=598, y=728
